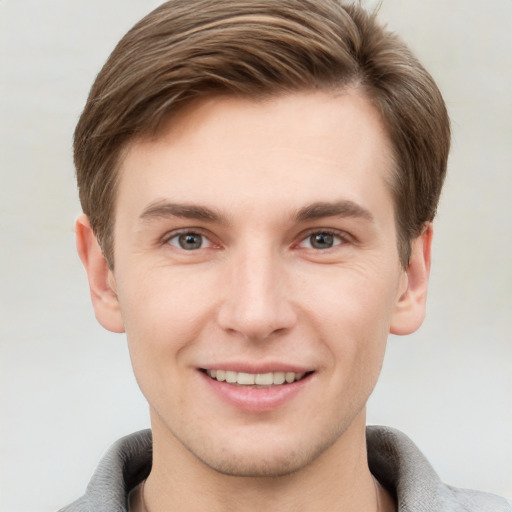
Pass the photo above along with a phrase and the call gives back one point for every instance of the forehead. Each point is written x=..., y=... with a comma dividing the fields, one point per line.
x=283, y=151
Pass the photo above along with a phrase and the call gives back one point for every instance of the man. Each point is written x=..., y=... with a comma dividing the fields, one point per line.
x=259, y=181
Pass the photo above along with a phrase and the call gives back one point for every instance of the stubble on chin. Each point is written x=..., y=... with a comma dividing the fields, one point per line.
x=258, y=464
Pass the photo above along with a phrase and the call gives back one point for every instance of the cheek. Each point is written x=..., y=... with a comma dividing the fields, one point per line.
x=351, y=317
x=357, y=300
x=164, y=314
x=164, y=311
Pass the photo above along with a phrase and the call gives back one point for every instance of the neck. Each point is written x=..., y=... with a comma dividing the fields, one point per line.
x=339, y=479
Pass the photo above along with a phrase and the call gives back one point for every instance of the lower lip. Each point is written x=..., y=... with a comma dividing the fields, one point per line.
x=256, y=399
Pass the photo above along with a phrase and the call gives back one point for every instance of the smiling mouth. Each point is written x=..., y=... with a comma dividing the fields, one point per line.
x=255, y=379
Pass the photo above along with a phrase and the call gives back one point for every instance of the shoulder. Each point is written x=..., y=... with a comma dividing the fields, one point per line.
x=125, y=465
x=401, y=467
x=477, y=501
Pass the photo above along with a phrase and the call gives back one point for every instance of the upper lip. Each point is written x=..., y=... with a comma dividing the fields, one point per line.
x=257, y=368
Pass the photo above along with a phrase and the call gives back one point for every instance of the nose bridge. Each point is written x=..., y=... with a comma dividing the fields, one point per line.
x=256, y=302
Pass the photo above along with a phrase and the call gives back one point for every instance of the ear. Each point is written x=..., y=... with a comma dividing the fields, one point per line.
x=101, y=278
x=410, y=308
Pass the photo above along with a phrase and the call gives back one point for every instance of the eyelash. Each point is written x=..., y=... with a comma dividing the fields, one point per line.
x=341, y=236
x=190, y=232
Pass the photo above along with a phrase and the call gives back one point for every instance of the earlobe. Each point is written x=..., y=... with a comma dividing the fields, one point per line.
x=101, y=279
x=410, y=307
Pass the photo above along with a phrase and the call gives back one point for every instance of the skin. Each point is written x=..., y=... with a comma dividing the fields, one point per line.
x=261, y=293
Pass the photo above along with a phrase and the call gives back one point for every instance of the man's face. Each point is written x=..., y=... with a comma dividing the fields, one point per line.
x=255, y=241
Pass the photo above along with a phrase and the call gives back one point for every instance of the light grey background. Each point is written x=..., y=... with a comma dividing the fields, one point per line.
x=66, y=389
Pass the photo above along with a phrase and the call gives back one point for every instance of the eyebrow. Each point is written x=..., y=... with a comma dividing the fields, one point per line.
x=162, y=209
x=318, y=210
x=344, y=208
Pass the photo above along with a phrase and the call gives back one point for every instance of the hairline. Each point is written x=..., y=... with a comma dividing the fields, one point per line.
x=155, y=131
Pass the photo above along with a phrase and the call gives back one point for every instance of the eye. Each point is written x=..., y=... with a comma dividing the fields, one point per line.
x=321, y=240
x=189, y=241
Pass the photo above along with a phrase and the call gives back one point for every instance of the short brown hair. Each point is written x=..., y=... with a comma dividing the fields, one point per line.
x=187, y=49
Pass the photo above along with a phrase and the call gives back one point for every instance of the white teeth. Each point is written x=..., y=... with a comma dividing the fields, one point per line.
x=246, y=379
x=231, y=377
x=264, y=379
x=258, y=379
x=279, y=377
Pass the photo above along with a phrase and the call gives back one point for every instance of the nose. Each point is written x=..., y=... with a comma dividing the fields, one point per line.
x=256, y=301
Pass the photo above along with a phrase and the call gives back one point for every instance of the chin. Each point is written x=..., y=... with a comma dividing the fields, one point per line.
x=258, y=458
x=258, y=466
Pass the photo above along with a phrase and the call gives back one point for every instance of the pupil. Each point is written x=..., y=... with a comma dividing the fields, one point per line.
x=322, y=240
x=190, y=241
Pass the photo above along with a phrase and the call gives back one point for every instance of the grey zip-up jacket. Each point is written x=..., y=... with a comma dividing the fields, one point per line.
x=393, y=459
